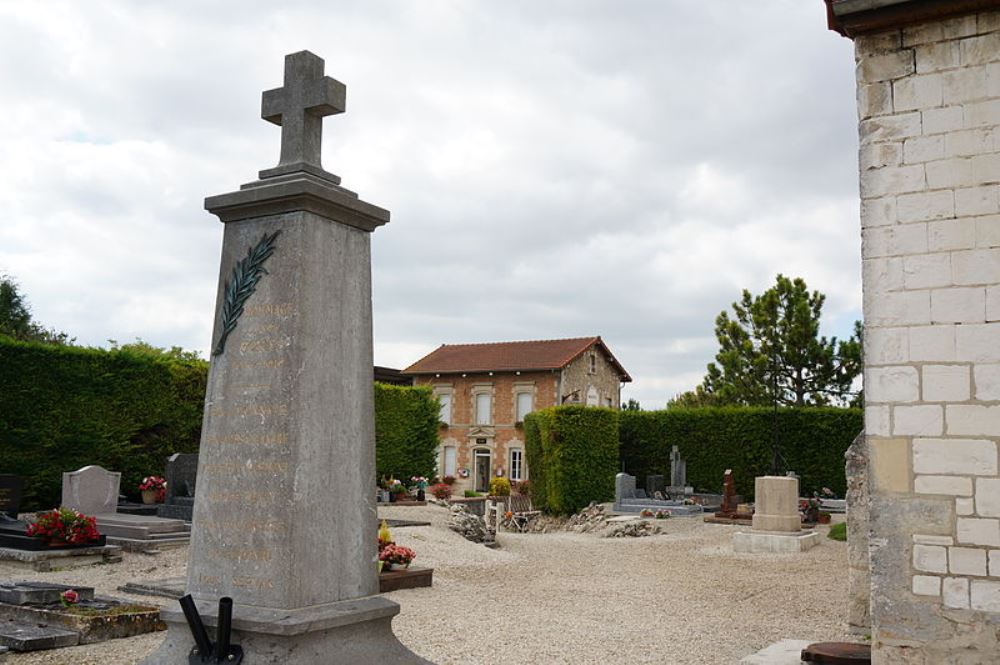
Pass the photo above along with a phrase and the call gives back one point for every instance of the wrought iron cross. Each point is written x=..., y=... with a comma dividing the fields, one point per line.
x=299, y=108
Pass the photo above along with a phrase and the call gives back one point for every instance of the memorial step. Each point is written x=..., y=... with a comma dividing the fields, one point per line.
x=146, y=545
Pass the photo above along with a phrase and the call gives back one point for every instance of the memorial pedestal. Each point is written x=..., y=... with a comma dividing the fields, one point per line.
x=283, y=512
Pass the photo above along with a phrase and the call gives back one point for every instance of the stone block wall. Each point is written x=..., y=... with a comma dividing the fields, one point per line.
x=929, y=112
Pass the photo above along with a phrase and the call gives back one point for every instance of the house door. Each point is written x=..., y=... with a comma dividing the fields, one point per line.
x=482, y=470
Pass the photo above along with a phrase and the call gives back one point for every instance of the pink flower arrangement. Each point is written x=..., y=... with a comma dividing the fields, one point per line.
x=69, y=597
x=396, y=555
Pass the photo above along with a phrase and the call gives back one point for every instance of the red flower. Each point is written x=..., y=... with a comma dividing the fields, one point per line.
x=69, y=597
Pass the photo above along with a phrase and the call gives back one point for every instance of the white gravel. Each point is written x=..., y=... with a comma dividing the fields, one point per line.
x=682, y=597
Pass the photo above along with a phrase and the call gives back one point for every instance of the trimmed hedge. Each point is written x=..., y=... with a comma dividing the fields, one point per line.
x=128, y=409
x=813, y=441
x=572, y=456
x=406, y=431
x=64, y=407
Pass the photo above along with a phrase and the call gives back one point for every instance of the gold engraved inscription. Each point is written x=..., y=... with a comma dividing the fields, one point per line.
x=245, y=581
x=263, y=345
x=239, y=439
x=249, y=467
x=262, y=409
x=242, y=497
x=269, y=309
x=240, y=554
x=259, y=363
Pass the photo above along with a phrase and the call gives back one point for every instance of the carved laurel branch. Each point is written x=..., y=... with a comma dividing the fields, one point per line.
x=242, y=284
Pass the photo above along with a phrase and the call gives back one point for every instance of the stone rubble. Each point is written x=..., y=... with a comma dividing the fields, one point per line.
x=593, y=519
x=469, y=526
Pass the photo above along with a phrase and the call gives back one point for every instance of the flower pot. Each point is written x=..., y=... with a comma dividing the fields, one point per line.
x=148, y=496
x=823, y=518
x=420, y=495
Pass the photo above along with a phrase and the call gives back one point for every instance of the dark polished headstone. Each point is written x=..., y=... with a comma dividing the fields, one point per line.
x=181, y=476
x=11, y=490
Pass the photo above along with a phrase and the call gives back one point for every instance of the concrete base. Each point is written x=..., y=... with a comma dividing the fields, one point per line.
x=774, y=543
x=785, y=652
x=355, y=632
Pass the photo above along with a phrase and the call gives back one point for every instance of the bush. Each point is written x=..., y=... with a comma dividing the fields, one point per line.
x=471, y=494
x=523, y=487
x=813, y=441
x=406, y=431
x=64, y=407
x=441, y=491
x=499, y=487
x=838, y=532
x=573, y=456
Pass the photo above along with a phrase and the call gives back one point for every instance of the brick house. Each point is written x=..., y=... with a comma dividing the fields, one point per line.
x=486, y=390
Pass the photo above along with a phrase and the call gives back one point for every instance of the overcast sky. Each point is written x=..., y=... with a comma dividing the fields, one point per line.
x=553, y=168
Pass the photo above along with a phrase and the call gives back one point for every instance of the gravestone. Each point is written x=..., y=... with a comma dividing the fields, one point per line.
x=283, y=515
x=92, y=490
x=678, y=468
x=777, y=525
x=11, y=490
x=181, y=474
x=654, y=484
x=624, y=487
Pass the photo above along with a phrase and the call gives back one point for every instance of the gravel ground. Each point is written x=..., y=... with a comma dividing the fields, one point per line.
x=682, y=597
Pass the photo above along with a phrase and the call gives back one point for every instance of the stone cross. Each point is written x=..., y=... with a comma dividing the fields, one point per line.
x=299, y=108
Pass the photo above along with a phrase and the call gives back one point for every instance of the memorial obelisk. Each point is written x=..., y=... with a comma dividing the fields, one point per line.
x=284, y=514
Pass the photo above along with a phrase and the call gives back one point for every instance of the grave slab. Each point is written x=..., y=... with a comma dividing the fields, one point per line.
x=29, y=637
x=49, y=560
x=411, y=578
x=11, y=489
x=756, y=542
x=39, y=593
x=168, y=587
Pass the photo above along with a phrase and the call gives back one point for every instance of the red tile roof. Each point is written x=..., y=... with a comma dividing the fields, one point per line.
x=509, y=356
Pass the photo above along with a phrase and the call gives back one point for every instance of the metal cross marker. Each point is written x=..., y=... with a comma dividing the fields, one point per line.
x=299, y=108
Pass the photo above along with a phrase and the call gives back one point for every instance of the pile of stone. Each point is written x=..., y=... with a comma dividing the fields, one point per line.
x=469, y=526
x=591, y=518
x=633, y=528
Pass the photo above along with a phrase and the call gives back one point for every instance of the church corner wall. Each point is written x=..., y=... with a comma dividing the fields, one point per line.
x=929, y=125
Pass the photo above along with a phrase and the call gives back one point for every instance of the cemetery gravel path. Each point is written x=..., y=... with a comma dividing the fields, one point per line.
x=679, y=598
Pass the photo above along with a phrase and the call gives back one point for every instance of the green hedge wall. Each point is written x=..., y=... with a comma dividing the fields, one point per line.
x=572, y=456
x=813, y=441
x=64, y=407
x=406, y=431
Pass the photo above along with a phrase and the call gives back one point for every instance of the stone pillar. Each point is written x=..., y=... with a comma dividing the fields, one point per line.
x=929, y=112
x=859, y=562
x=776, y=505
x=284, y=516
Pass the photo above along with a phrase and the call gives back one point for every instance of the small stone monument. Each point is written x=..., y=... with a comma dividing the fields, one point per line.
x=11, y=490
x=284, y=512
x=777, y=525
x=92, y=490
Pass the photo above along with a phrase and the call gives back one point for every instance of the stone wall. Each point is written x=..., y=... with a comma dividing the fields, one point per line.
x=929, y=111
x=578, y=379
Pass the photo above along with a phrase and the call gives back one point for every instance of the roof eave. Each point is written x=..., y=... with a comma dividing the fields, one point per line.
x=857, y=17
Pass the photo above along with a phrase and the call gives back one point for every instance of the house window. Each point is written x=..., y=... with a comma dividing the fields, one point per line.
x=593, y=363
x=523, y=406
x=516, y=465
x=608, y=402
x=483, y=404
x=444, y=415
x=450, y=466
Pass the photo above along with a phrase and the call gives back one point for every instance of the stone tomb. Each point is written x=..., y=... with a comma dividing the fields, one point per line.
x=32, y=617
x=181, y=473
x=93, y=490
x=777, y=525
x=630, y=500
x=283, y=511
